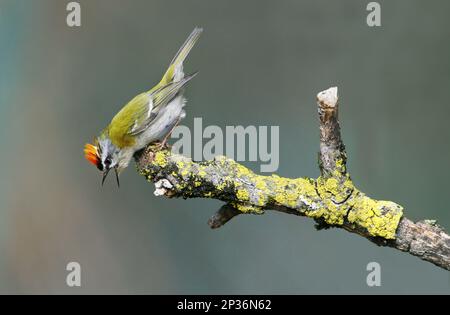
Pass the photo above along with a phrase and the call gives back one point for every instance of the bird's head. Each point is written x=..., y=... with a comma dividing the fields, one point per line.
x=104, y=155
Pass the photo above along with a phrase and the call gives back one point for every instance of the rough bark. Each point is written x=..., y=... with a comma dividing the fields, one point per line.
x=332, y=200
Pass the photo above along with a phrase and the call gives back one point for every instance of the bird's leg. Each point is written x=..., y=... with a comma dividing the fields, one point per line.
x=163, y=144
x=166, y=138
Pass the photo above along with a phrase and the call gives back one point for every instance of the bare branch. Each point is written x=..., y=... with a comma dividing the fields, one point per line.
x=332, y=200
x=424, y=239
x=222, y=216
x=332, y=148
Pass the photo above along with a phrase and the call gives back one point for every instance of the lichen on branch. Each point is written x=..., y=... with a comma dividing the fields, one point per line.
x=332, y=199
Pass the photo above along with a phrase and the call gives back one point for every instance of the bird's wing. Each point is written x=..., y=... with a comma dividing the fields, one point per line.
x=130, y=116
x=155, y=102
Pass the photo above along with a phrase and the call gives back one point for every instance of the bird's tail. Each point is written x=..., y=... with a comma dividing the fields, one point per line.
x=175, y=71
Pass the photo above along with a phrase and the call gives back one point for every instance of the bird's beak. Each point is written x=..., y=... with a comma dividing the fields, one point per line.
x=105, y=173
x=117, y=176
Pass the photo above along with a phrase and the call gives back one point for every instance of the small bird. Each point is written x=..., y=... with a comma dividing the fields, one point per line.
x=150, y=117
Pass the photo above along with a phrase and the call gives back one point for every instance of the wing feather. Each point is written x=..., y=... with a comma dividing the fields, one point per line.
x=159, y=98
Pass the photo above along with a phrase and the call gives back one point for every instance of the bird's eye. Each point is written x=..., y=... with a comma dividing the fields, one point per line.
x=107, y=162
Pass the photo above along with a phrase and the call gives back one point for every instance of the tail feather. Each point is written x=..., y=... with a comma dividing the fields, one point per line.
x=187, y=46
x=175, y=71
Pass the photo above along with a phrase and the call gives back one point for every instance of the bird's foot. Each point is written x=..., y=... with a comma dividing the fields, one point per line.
x=160, y=145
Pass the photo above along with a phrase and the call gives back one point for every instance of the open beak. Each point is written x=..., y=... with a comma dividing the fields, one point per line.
x=105, y=174
x=117, y=177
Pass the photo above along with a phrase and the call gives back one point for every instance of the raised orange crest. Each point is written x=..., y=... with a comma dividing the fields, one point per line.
x=91, y=154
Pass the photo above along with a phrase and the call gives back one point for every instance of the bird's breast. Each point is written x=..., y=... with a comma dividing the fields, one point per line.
x=163, y=123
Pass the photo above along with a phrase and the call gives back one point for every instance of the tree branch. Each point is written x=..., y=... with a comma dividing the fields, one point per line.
x=332, y=200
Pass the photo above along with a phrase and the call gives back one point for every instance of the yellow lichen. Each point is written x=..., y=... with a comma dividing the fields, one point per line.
x=220, y=186
x=260, y=183
x=332, y=185
x=160, y=158
x=247, y=208
x=380, y=218
x=242, y=195
x=332, y=198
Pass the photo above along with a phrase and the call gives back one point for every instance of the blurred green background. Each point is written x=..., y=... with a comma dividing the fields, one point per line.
x=260, y=63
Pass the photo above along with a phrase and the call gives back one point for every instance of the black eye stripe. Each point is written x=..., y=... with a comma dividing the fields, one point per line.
x=99, y=165
x=99, y=148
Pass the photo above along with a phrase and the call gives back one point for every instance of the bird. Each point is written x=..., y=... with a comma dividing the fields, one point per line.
x=149, y=117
